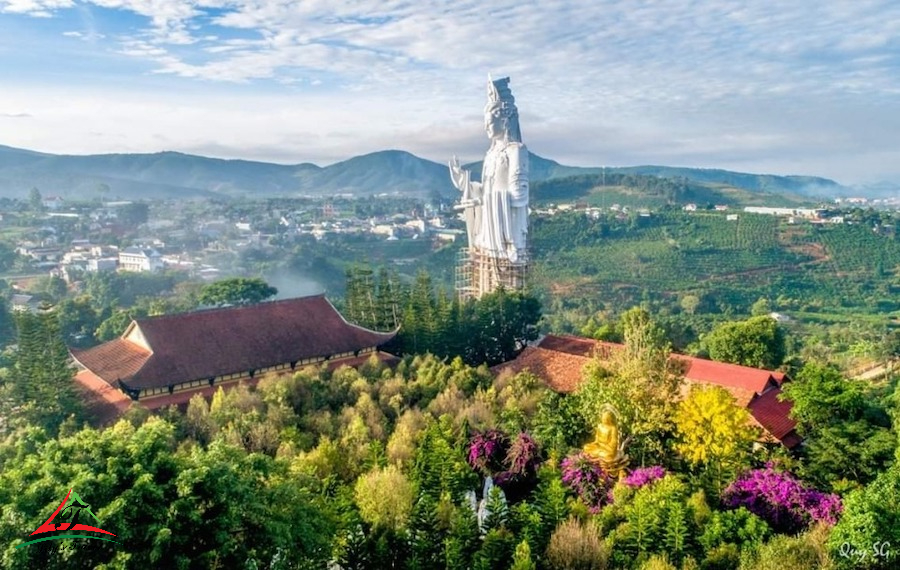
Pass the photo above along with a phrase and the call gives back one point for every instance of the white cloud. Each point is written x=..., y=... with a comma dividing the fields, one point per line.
x=35, y=8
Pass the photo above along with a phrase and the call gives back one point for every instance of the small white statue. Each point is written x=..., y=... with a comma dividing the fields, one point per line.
x=496, y=209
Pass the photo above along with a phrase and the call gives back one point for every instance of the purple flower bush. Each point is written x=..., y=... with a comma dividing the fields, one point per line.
x=781, y=500
x=587, y=480
x=512, y=464
x=644, y=476
x=487, y=451
x=522, y=458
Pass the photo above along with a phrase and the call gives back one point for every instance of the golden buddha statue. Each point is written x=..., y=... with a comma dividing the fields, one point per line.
x=607, y=449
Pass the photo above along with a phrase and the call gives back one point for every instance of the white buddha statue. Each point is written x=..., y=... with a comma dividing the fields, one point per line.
x=496, y=209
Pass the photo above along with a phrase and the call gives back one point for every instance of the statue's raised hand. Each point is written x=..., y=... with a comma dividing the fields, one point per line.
x=458, y=176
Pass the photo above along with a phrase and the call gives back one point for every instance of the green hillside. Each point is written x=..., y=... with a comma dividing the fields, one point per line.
x=826, y=269
x=651, y=191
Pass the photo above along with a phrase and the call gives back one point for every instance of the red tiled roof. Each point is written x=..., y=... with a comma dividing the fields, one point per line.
x=204, y=344
x=741, y=396
x=774, y=416
x=560, y=370
x=103, y=403
x=578, y=345
x=729, y=375
x=118, y=358
x=742, y=381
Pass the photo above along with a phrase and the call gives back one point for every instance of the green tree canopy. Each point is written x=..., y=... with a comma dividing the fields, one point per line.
x=758, y=342
x=870, y=525
x=35, y=200
x=237, y=291
x=169, y=506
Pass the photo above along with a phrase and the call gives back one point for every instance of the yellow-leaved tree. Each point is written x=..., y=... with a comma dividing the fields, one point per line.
x=714, y=433
x=385, y=498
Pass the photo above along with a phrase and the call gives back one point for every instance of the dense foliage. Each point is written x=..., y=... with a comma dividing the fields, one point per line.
x=236, y=291
x=388, y=468
x=492, y=329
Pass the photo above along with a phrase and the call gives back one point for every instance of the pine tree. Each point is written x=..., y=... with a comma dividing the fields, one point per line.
x=496, y=550
x=522, y=557
x=388, y=300
x=426, y=540
x=352, y=309
x=422, y=303
x=443, y=326
x=464, y=540
x=360, y=304
x=44, y=389
x=497, y=511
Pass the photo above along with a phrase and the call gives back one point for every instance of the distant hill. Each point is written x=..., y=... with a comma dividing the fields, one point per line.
x=705, y=183
x=174, y=175
x=803, y=185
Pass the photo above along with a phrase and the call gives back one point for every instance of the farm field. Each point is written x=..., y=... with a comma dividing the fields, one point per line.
x=832, y=271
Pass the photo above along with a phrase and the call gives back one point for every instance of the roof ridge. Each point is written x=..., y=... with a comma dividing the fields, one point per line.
x=208, y=310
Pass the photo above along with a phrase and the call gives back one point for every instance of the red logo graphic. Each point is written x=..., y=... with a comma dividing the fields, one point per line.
x=71, y=507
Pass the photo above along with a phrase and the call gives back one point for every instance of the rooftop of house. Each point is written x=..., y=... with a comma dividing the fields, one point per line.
x=160, y=351
x=142, y=251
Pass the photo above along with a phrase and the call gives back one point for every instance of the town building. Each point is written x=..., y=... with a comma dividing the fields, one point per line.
x=559, y=361
x=22, y=303
x=140, y=259
x=165, y=360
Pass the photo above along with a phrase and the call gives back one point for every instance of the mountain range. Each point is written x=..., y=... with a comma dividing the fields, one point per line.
x=176, y=175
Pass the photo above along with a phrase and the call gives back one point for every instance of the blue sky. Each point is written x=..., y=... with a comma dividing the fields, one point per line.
x=761, y=86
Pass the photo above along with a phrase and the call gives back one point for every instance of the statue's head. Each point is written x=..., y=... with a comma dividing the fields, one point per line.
x=501, y=118
x=608, y=414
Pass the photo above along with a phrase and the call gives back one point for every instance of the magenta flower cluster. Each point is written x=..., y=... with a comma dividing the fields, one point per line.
x=487, y=451
x=587, y=480
x=644, y=476
x=493, y=454
x=523, y=456
x=781, y=500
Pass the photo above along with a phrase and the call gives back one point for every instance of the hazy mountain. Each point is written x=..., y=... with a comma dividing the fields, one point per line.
x=173, y=174
x=545, y=169
x=803, y=185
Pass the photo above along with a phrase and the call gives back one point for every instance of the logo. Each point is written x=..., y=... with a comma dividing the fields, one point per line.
x=74, y=509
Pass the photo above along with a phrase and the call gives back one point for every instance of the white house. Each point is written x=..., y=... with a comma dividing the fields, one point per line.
x=140, y=259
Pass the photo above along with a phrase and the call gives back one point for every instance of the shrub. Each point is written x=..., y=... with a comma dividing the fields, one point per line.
x=658, y=562
x=521, y=460
x=781, y=500
x=576, y=546
x=587, y=480
x=788, y=553
x=723, y=557
x=738, y=527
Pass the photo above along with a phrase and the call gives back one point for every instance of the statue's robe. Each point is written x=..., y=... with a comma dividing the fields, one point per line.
x=504, y=215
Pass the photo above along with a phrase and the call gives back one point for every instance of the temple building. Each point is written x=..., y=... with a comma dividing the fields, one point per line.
x=559, y=361
x=164, y=360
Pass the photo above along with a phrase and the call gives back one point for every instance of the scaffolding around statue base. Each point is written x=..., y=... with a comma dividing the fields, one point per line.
x=478, y=273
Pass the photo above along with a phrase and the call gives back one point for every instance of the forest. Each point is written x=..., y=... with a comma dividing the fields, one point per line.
x=439, y=463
